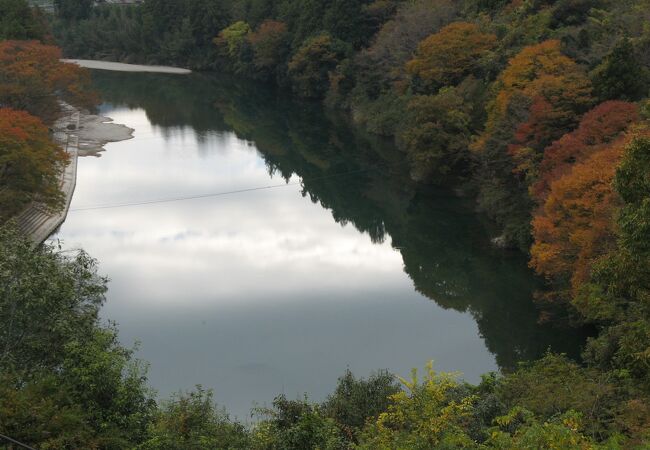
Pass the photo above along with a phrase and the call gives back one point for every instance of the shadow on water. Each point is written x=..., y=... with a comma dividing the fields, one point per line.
x=363, y=181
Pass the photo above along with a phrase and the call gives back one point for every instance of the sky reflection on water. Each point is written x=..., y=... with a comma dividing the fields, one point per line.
x=266, y=292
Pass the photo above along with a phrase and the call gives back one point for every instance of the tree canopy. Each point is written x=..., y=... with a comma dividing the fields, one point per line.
x=447, y=57
x=30, y=163
x=32, y=75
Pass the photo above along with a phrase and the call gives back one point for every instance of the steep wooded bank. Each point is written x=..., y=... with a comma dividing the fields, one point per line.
x=476, y=90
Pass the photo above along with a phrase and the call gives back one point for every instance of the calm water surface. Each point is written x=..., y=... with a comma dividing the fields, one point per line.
x=346, y=265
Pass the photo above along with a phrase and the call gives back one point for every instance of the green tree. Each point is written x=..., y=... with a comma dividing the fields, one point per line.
x=233, y=44
x=296, y=425
x=233, y=37
x=73, y=9
x=311, y=65
x=354, y=401
x=40, y=413
x=437, y=134
x=425, y=415
x=555, y=385
x=524, y=431
x=94, y=393
x=632, y=183
x=46, y=300
x=17, y=21
x=620, y=76
x=192, y=421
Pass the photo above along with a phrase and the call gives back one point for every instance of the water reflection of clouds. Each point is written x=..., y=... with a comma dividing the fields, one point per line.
x=159, y=246
x=249, y=293
x=209, y=250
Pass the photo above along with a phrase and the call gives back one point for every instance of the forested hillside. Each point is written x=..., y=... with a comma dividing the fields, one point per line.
x=537, y=108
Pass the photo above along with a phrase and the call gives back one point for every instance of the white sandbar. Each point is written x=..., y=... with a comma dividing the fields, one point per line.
x=121, y=67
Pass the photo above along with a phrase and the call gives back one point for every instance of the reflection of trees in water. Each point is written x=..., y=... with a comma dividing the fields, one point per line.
x=444, y=246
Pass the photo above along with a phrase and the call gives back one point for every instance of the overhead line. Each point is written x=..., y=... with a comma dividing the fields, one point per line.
x=13, y=441
x=178, y=199
x=216, y=194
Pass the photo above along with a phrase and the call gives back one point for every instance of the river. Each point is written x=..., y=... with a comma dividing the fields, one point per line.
x=258, y=246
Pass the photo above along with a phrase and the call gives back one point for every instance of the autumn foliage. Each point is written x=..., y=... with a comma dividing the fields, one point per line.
x=270, y=44
x=543, y=71
x=598, y=128
x=30, y=163
x=445, y=58
x=576, y=223
x=32, y=75
x=558, y=91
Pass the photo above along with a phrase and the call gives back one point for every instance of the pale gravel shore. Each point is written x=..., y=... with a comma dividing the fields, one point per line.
x=95, y=132
x=121, y=67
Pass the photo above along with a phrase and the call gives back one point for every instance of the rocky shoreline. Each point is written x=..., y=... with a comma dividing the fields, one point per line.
x=94, y=132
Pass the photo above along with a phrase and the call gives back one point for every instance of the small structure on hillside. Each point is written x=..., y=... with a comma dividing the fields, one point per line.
x=119, y=2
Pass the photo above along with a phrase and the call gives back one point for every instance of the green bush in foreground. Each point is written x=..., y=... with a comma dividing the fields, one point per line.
x=65, y=381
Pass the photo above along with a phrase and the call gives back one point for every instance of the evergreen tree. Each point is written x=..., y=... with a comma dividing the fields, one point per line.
x=620, y=76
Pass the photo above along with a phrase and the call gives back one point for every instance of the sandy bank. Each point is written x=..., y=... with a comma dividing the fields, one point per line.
x=89, y=132
x=95, y=132
x=120, y=67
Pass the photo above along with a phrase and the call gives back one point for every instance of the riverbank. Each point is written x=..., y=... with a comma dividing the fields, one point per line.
x=94, y=132
x=80, y=134
x=121, y=67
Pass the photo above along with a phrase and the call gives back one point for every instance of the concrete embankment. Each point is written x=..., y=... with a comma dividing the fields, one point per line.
x=80, y=134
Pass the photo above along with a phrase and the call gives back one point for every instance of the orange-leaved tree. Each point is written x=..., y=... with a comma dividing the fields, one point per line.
x=599, y=127
x=445, y=58
x=577, y=223
x=33, y=78
x=30, y=163
x=559, y=92
x=575, y=226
